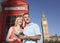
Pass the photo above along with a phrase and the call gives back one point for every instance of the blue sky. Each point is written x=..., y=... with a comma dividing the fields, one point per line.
x=51, y=8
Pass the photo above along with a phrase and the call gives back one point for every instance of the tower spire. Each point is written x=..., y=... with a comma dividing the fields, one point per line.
x=43, y=15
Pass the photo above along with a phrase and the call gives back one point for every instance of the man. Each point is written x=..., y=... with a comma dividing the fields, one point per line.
x=31, y=31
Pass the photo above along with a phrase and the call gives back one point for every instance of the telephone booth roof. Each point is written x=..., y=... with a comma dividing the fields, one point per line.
x=14, y=3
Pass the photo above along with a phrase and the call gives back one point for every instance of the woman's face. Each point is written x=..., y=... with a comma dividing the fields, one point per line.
x=19, y=20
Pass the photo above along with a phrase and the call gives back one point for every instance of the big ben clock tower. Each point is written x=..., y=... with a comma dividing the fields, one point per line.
x=45, y=28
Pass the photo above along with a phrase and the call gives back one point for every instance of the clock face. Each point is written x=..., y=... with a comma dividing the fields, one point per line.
x=44, y=22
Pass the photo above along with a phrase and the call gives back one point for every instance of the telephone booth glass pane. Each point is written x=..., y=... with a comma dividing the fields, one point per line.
x=8, y=19
x=13, y=18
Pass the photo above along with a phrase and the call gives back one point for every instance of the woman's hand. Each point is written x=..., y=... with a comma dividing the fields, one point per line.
x=14, y=38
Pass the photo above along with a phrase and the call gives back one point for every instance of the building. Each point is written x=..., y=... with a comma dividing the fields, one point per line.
x=45, y=28
x=55, y=38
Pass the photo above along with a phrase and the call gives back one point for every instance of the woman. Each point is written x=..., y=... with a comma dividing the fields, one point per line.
x=17, y=28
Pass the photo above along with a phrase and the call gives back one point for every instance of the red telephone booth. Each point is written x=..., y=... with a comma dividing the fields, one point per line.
x=11, y=9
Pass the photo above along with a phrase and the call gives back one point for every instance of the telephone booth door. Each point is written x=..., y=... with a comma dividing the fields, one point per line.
x=9, y=21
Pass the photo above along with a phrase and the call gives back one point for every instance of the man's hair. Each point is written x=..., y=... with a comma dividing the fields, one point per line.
x=25, y=14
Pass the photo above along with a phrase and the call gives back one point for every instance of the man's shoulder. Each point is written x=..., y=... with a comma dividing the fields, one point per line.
x=34, y=24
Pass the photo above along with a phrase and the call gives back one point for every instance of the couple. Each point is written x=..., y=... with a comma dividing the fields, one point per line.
x=31, y=31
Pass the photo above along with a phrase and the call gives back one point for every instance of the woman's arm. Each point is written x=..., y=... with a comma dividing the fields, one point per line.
x=8, y=35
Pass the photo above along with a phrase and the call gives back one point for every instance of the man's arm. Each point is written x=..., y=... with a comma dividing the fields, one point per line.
x=37, y=37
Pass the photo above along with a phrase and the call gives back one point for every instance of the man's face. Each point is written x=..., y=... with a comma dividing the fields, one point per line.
x=26, y=18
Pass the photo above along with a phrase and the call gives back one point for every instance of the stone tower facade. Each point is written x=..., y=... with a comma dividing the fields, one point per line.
x=45, y=28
